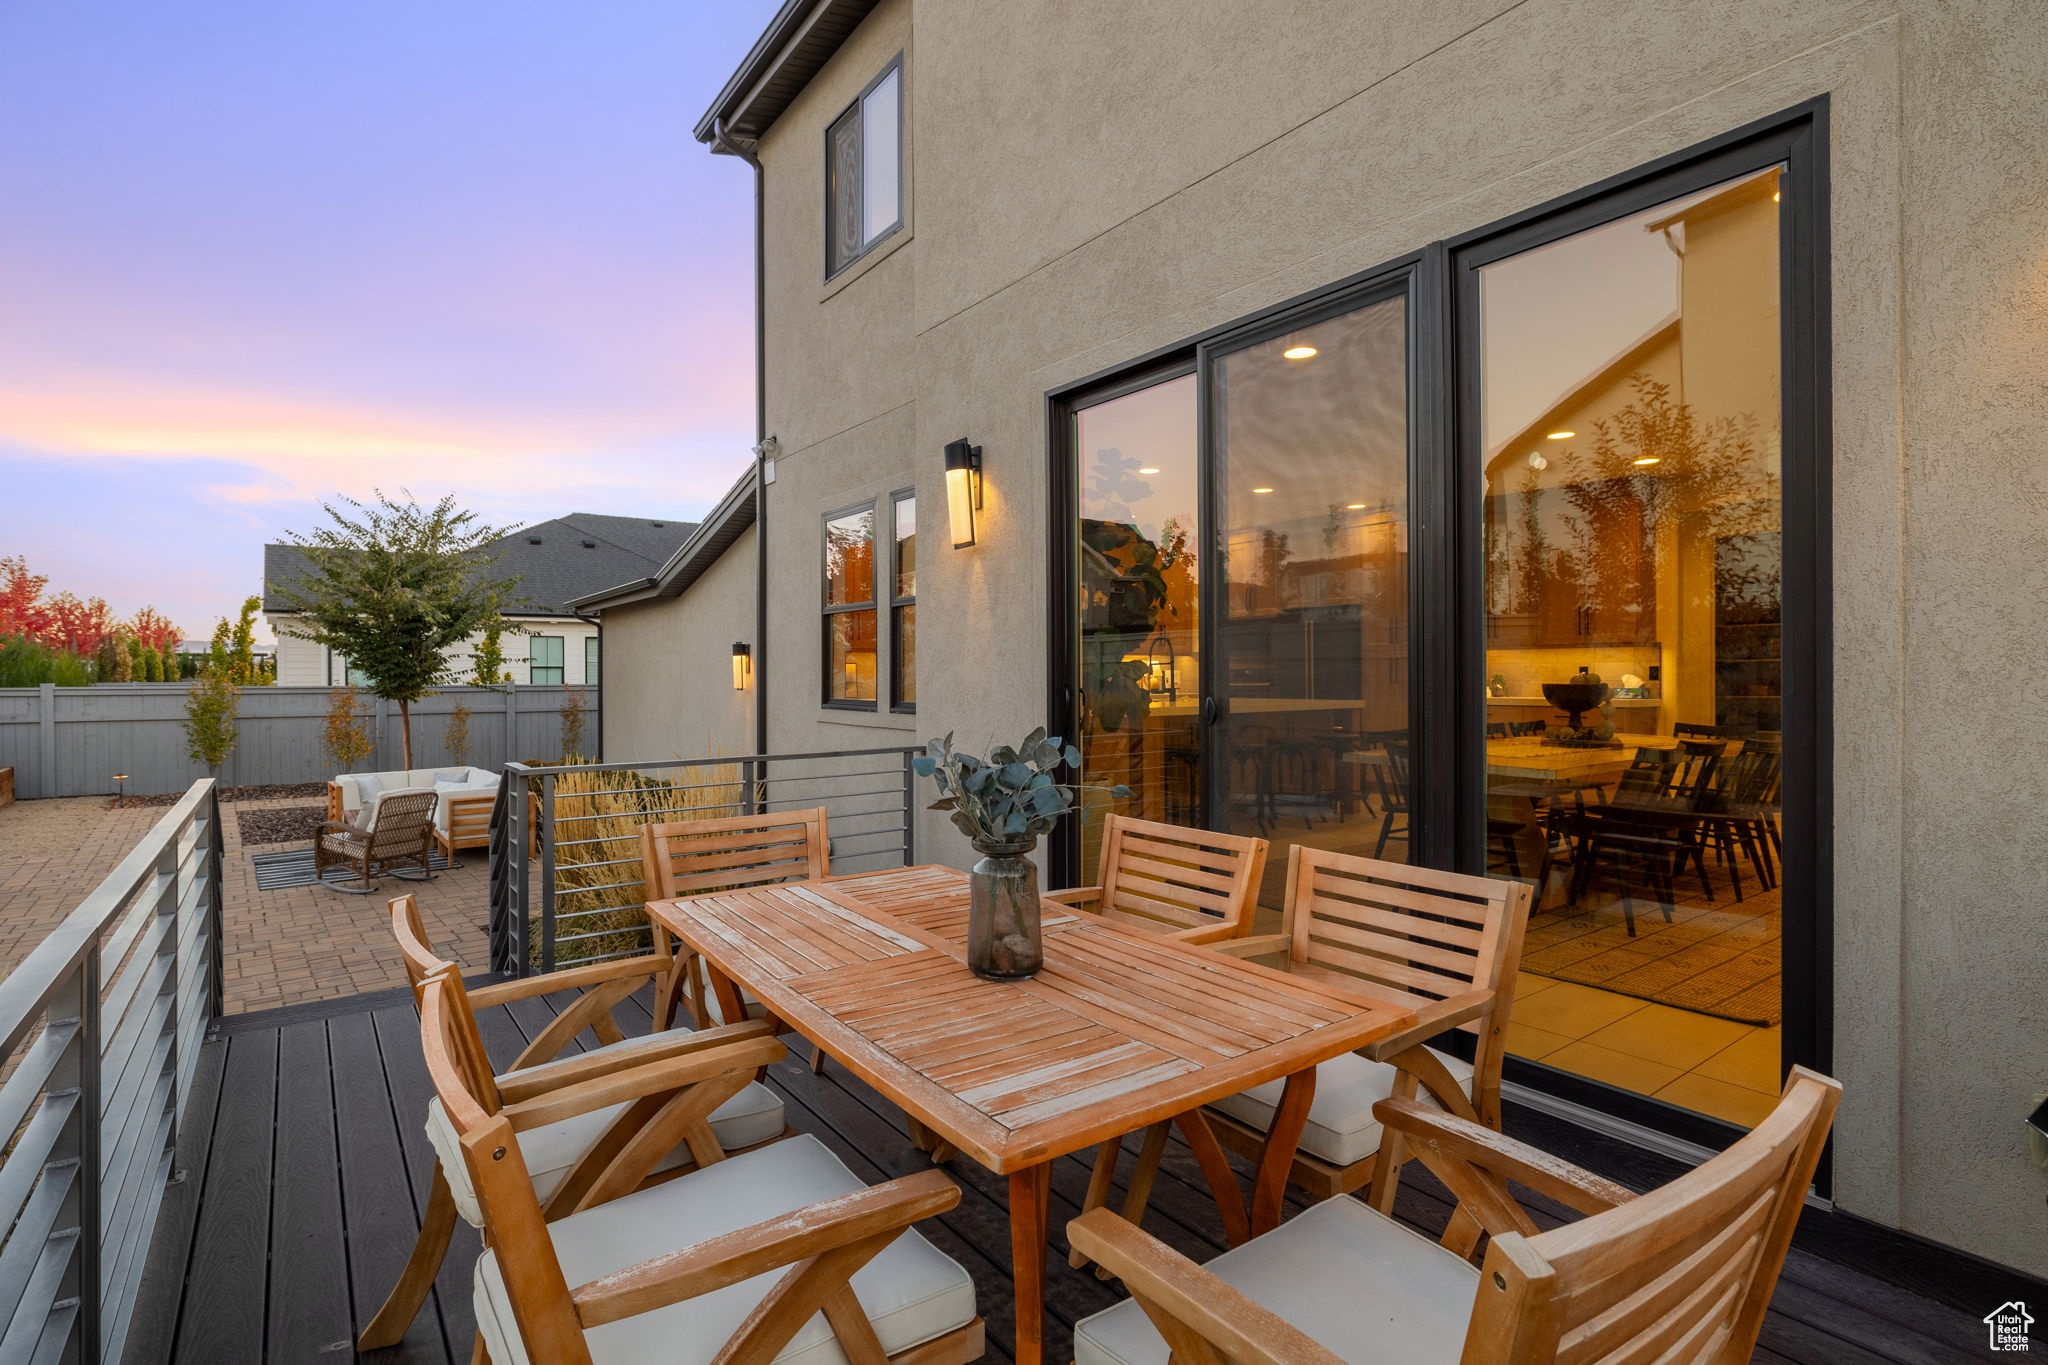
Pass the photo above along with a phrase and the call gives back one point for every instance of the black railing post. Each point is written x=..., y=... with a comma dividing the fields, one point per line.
x=547, y=872
x=909, y=808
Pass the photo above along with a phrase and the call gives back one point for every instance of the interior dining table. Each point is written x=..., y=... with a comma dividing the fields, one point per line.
x=1120, y=1029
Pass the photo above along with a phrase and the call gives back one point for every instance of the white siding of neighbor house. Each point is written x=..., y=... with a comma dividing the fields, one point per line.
x=301, y=663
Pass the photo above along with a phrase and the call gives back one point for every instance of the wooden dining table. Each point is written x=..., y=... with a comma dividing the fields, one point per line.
x=1121, y=1029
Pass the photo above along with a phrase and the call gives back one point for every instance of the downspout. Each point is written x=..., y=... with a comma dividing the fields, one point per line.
x=721, y=141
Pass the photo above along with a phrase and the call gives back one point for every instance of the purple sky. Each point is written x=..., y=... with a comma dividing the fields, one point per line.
x=256, y=254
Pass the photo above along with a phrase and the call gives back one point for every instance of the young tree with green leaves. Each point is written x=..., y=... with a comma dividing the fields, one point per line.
x=393, y=586
x=212, y=719
x=488, y=666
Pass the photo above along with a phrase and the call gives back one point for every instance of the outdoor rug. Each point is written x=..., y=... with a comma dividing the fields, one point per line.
x=1721, y=959
x=294, y=867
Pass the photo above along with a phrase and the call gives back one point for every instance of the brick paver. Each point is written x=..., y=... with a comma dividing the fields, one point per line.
x=281, y=947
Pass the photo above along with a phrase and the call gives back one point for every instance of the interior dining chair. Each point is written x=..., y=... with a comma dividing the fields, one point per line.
x=681, y=858
x=683, y=1270
x=568, y=1158
x=1194, y=885
x=1444, y=945
x=1682, y=1274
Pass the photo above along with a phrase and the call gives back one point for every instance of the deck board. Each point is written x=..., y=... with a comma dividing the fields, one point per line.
x=307, y=1176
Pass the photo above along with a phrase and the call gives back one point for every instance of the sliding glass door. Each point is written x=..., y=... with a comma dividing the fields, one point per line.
x=1309, y=455
x=1511, y=558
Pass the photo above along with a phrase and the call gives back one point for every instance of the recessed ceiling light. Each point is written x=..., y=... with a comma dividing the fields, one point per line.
x=1774, y=195
x=1560, y=435
x=1149, y=469
x=1354, y=507
x=1299, y=352
x=1262, y=490
x=1649, y=459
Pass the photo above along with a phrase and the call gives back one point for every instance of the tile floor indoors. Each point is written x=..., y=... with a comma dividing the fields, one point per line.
x=1714, y=1066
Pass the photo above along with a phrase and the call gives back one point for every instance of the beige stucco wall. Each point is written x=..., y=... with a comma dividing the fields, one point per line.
x=667, y=668
x=1092, y=183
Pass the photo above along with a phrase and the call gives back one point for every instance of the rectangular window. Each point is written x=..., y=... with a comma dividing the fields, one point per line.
x=545, y=661
x=590, y=661
x=850, y=612
x=903, y=609
x=864, y=172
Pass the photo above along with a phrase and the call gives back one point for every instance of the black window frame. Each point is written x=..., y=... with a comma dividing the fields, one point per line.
x=827, y=610
x=1447, y=666
x=868, y=244
x=560, y=666
x=898, y=601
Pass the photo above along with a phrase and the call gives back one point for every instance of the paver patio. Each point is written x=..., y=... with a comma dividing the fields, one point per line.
x=279, y=947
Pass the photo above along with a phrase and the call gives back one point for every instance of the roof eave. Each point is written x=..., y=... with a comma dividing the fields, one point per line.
x=799, y=40
x=712, y=538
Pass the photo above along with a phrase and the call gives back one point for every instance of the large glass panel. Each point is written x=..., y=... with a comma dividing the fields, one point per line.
x=1311, y=439
x=1630, y=414
x=1139, y=684
x=843, y=234
x=881, y=157
x=850, y=607
x=903, y=622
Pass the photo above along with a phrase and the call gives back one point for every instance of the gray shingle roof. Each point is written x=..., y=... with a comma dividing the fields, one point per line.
x=575, y=556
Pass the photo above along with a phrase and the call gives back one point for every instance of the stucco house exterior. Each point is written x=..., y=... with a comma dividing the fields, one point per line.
x=1331, y=385
x=555, y=562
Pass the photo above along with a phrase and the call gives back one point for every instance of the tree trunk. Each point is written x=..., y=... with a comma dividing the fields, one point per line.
x=405, y=732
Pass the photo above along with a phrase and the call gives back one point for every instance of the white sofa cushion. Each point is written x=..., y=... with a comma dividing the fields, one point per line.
x=1341, y=1128
x=1358, y=1282
x=912, y=1291
x=423, y=779
x=450, y=790
x=754, y=1115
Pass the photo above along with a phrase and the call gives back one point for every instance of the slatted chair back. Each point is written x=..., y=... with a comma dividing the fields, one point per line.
x=1415, y=935
x=1697, y=761
x=1682, y=1274
x=1649, y=775
x=1391, y=778
x=692, y=857
x=1168, y=878
x=1694, y=730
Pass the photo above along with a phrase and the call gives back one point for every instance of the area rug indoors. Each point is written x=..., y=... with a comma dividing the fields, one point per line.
x=1722, y=959
x=294, y=867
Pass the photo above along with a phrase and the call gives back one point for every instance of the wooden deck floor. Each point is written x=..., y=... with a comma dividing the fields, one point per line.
x=304, y=1166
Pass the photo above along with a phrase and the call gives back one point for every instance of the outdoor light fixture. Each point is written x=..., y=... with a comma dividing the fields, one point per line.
x=1299, y=352
x=963, y=489
x=740, y=654
x=121, y=790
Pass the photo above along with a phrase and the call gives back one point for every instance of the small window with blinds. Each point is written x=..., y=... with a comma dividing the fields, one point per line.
x=864, y=172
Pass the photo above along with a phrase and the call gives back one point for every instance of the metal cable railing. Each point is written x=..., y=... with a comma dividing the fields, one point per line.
x=102, y=1025
x=565, y=856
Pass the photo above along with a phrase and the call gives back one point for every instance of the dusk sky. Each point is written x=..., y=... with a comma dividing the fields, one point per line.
x=253, y=255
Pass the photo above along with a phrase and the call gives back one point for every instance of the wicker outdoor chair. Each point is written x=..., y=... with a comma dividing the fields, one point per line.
x=400, y=834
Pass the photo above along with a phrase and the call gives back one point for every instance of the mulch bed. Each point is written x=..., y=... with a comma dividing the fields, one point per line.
x=279, y=824
x=274, y=791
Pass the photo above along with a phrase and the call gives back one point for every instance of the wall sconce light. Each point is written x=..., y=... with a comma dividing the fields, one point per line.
x=740, y=656
x=963, y=489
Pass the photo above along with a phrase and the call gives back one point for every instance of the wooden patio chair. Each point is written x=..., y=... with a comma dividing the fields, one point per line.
x=1682, y=1274
x=399, y=832
x=643, y=1274
x=1194, y=885
x=1445, y=945
x=568, y=1159
x=681, y=858
x=1190, y=884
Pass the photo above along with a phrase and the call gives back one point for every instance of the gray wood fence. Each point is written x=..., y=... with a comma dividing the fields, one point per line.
x=70, y=741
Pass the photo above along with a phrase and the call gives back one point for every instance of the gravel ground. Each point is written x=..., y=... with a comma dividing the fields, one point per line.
x=275, y=791
x=279, y=824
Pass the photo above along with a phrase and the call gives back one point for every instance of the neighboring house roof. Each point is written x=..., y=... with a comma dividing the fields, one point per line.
x=798, y=41
x=713, y=537
x=555, y=561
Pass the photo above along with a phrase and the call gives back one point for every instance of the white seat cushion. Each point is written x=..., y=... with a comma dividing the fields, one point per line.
x=754, y=1115
x=1360, y=1283
x=912, y=1291
x=1341, y=1128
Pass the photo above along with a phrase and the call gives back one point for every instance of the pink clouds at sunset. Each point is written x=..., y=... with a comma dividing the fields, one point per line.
x=252, y=259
